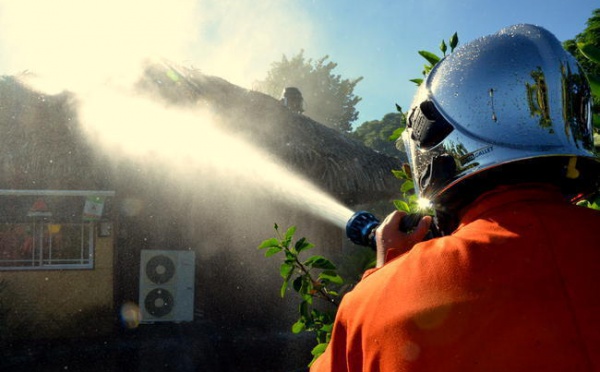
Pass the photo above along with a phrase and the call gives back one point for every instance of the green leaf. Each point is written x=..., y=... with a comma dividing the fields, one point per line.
x=303, y=309
x=398, y=108
x=417, y=81
x=401, y=205
x=289, y=234
x=400, y=174
x=286, y=270
x=319, y=349
x=594, y=84
x=396, y=134
x=430, y=57
x=272, y=251
x=302, y=245
x=289, y=256
x=319, y=262
x=283, y=288
x=307, y=287
x=590, y=51
x=297, y=284
x=331, y=277
x=407, y=186
x=453, y=41
x=269, y=243
x=327, y=327
x=443, y=47
x=298, y=327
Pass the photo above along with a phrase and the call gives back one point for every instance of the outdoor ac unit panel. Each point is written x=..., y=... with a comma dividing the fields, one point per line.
x=167, y=286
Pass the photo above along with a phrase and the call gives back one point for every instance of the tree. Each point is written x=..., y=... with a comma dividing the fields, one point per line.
x=329, y=99
x=376, y=134
x=588, y=39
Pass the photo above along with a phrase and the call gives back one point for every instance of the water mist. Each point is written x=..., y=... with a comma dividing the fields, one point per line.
x=183, y=141
x=97, y=53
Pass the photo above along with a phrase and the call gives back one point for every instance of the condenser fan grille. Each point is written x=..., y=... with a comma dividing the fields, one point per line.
x=160, y=269
x=159, y=302
x=166, y=292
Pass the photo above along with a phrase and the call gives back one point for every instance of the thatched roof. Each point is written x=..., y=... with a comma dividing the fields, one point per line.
x=40, y=142
x=42, y=146
x=343, y=166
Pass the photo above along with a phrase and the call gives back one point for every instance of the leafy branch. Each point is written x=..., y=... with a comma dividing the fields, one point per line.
x=317, y=277
x=592, y=53
x=314, y=277
x=433, y=59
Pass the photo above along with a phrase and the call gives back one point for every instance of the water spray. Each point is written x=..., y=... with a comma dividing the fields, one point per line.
x=361, y=227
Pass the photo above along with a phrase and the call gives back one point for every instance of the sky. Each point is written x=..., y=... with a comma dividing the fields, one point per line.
x=78, y=45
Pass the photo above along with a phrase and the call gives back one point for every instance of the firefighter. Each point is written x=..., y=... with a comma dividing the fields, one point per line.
x=499, y=138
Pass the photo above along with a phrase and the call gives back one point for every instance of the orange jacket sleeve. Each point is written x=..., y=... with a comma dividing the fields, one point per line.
x=513, y=289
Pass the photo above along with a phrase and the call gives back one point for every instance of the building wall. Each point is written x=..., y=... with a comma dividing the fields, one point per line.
x=61, y=303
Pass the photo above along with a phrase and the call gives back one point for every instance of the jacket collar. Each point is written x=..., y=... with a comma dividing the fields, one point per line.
x=502, y=195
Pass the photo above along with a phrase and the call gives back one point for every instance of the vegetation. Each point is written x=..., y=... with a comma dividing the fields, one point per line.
x=379, y=134
x=586, y=49
x=433, y=59
x=313, y=278
x=376, y=134
x=317, y=277
x=328, y=98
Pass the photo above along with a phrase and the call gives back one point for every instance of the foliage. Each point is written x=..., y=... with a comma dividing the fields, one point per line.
x=432, y=58
x=377, y=134
x=325, y=284
x=313, y=278
x=329, y=99
x=593, y=203
x=586, y=49
x=409, y=202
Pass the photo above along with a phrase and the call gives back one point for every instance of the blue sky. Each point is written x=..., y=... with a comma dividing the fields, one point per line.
x=77, y=42
x=379, y=40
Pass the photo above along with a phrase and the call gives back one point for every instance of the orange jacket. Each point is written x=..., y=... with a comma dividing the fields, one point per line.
x=514, y=288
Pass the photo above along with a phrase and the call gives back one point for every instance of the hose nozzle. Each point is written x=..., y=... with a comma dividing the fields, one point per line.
x=361, y=227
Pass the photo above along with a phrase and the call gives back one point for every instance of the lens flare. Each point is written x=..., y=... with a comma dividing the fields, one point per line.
x=424, y=204
x=130, y=315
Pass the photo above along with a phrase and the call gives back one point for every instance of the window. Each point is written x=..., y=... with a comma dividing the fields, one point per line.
x=49, y=229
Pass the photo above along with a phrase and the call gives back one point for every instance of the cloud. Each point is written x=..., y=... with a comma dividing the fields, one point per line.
x=238, y=40
x=88, y=42
x=82, y=42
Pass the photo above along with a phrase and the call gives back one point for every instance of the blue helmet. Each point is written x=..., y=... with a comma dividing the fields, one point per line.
x=510, y=107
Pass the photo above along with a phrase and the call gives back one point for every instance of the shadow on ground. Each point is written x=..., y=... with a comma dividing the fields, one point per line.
x=164, y=347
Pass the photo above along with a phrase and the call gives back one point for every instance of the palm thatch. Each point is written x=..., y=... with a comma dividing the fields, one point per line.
x=41, y=145
x=344, y=167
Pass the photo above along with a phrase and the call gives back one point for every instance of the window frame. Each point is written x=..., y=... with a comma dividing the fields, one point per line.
x=41, y=257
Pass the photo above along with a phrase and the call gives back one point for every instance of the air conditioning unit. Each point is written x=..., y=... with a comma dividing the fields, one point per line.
x=166, y=286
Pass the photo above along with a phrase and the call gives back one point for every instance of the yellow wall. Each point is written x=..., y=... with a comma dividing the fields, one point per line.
x=62, y=303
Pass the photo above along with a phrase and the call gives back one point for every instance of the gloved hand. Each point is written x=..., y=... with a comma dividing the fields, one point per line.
x=391, y=242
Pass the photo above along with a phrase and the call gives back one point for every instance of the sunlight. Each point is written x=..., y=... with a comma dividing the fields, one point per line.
x=424, y=204
x=80, y=43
